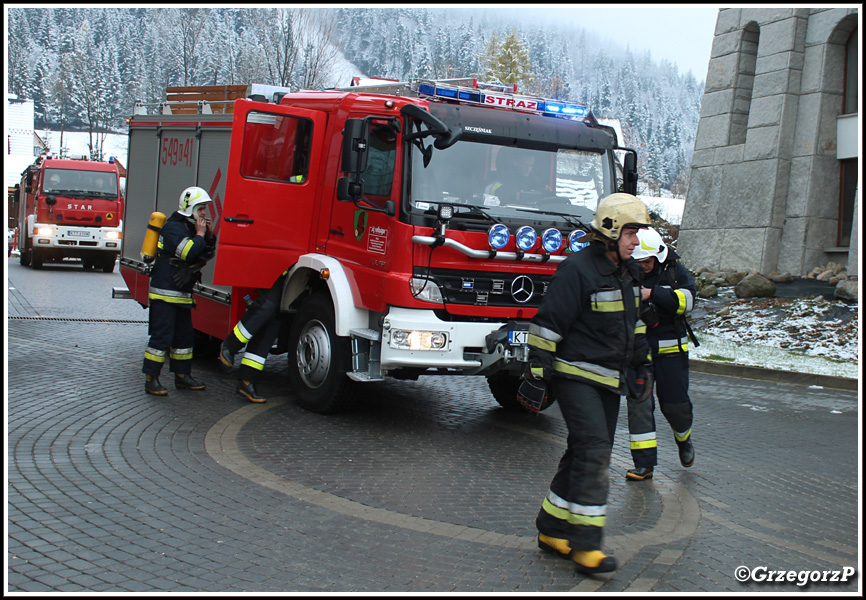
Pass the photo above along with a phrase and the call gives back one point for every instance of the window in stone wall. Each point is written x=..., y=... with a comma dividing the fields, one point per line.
x=743, y=85
x=852, y=75
x=846, y=200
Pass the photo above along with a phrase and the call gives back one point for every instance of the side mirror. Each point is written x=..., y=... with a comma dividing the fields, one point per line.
x=348, y=190
x=356, y=135
x=629, y=173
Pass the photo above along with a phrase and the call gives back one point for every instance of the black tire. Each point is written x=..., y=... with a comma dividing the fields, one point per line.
x=24, y=255
x=108, y=264
x=318, y=360
x=35, y=258
x=504, y=385
x=205, y=346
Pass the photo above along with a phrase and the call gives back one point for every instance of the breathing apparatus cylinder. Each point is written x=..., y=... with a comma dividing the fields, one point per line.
x=151, y=237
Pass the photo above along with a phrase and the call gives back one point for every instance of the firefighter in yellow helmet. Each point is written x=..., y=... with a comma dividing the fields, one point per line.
x=186, y=243
x=584, y=339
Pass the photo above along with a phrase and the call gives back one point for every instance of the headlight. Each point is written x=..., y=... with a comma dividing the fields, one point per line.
x=404, y=339
x=112, y=235
x=575, y=240
x=526, y=238
x=498, y=236
x=424, y=289
x=551, y=240
x=46, y=231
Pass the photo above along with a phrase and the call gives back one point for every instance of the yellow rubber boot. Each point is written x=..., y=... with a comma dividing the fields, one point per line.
x=593, y=561
x=553, y=545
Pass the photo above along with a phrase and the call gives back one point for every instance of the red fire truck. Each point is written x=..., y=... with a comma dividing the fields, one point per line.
x=70, y=209
x=420, y=222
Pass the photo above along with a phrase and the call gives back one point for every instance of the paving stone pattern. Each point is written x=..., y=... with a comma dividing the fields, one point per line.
x=423, y=486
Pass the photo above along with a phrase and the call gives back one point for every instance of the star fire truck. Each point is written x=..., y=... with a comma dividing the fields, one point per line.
x=69, y=208
x=408, y=251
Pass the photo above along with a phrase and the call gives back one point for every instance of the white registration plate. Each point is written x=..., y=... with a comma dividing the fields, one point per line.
x=78, y=233
x=518, y=338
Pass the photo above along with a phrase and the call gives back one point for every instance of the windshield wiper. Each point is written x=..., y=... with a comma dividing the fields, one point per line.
x=469, y=210
x=572, y=219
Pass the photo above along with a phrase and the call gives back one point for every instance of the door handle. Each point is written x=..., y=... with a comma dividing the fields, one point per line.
x=237, y=220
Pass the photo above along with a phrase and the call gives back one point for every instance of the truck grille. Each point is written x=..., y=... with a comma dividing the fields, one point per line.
x=485, y=288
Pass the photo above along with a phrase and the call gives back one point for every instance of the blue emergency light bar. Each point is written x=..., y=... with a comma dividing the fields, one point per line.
x=524, y=103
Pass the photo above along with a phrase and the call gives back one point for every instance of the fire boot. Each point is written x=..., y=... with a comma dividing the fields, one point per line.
x=227, y=358
x=639, y=474
x=153, y=386
x=590, y=562
x=247, y=389
x=186, y=382
x=555, y=546
x=687, y=452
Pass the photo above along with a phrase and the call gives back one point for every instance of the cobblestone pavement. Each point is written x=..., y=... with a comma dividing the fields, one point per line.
x=423, y=486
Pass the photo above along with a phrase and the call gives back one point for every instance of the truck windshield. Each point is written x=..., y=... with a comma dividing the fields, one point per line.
x=509, y=183
x=85, y=184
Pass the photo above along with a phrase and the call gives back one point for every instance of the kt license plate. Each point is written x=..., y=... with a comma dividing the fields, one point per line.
x=78, y=233
x=518, y=338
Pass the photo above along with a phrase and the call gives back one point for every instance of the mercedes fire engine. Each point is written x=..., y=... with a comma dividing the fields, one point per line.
x=409, y=247
x=70, y=208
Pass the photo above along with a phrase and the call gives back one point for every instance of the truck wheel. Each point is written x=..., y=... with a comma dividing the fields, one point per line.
x=108, y=264
x=35, y=258
x=24, y=254
x=504, y=385
x=318, y=358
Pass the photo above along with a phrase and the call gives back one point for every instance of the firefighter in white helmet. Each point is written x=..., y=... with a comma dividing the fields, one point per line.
x=186, y=243
x=582, y=343
x=668, y=293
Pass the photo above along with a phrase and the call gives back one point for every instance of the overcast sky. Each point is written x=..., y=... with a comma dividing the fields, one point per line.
x=682, y=33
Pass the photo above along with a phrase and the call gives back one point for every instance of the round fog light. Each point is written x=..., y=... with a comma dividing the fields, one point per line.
x=437, y=341
x=526, y=238
x=551, y=240
x=498, y=236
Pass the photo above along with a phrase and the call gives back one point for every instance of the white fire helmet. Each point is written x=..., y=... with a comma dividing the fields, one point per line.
x=190, y=198
x=651, y=244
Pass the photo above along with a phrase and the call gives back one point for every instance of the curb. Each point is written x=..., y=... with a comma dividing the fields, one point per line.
x=778, y=376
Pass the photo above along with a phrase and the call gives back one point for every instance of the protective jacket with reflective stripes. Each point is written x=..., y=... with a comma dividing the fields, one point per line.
x=673, y=296
x=178, y=240
x=587, y=327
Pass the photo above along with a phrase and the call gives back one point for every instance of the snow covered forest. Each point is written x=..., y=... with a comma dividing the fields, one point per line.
x=86, y=67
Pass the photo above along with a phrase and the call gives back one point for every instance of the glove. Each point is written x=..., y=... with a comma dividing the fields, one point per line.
x=535, y=371
x=644, y=382
x=649, y=316
x=531, y=394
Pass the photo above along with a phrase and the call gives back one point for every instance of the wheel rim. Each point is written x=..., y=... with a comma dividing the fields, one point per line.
x=314, y=354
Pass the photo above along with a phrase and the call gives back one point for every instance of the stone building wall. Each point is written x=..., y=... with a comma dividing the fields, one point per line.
x=765, y=176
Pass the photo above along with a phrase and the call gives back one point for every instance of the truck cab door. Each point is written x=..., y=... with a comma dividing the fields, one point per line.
x=269, y=216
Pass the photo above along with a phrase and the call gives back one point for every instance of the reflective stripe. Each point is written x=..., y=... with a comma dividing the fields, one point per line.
x=543, y=332
x=608, y=301
x=541, y=343
x=639, y=441
x=181, y=353
x=608, y=377
x=573, y=513
x=640, y=327
x=491, y=189
x=254, y=361
x=241, y=333
x=187, y=299
x=183, y=248
x=673, y=346
x=154, y=355
x=164, y=292
x=684, y=301
x=681, y=437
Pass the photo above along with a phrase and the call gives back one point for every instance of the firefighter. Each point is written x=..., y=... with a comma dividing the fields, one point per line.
x=186, y=243
x=257, y=329
x=582, y=343
x=668, y=292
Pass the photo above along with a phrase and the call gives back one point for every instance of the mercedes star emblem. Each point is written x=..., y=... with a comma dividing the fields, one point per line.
x=522, y=289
